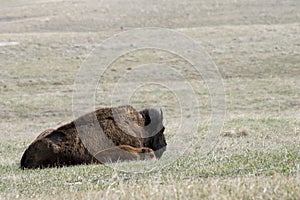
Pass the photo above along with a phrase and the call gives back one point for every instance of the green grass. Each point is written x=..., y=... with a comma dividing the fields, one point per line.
x=188, y=172
x=258, y=59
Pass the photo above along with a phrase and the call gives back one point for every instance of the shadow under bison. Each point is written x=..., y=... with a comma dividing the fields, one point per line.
x=125, y=134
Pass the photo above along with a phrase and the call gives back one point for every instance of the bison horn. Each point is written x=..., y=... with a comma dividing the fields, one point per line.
x=161, y=114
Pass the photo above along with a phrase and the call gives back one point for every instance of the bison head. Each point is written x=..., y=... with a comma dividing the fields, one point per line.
x=154, y=131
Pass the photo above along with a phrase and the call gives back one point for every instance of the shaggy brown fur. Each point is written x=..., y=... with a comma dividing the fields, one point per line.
x=121, y=126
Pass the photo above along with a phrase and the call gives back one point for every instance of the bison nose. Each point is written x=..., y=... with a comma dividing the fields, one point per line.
x=159, y=152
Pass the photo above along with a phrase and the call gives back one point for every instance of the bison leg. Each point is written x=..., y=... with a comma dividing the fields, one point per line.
x=125, y=153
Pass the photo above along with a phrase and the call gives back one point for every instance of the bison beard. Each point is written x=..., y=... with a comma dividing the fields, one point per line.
x=127, y=135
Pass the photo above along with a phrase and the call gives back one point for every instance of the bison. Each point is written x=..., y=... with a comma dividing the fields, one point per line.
x=125, y=134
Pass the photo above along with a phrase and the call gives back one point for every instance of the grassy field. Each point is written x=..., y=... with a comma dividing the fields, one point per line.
x=256, y=47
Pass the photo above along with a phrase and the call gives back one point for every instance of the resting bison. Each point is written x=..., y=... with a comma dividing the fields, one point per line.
x=126, y=135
